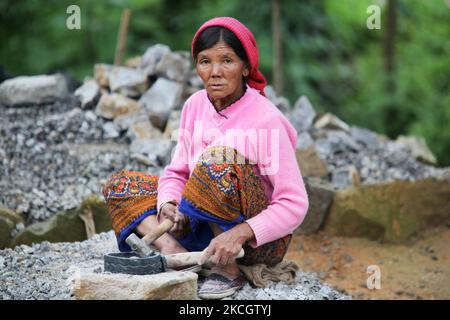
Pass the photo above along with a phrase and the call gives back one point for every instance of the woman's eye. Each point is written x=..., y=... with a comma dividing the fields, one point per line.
x=204, y=61
x=227, y=60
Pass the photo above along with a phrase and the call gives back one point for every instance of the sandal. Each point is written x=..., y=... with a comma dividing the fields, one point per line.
x=218, y=286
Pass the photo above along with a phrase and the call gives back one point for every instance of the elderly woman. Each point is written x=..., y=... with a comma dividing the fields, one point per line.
x=233, y=181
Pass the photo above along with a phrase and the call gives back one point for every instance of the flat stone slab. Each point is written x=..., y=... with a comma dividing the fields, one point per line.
x=163, y=286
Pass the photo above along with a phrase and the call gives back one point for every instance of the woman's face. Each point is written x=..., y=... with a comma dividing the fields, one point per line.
x=221, y=70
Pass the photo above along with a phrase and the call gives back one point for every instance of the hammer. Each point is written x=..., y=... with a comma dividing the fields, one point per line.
x=177, y=260
x=141, y=246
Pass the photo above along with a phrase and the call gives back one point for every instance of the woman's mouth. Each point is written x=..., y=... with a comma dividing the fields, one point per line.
x=216, y=86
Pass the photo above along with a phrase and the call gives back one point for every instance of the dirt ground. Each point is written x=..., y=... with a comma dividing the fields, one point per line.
x=417, y=271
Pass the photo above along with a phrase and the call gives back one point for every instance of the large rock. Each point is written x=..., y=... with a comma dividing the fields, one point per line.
x=127, y=81
x=101, y=74
x=320, y=196
x=162, y=286
x=303, y=114
x=152, y=57
x=174, y=66
x=88, y=93
x=393, y=211
x=143, y=129
x=418, y=148
x=310, y=163
x=160, y=99
x=67, y=226
x=33, y=89
x=113, y=105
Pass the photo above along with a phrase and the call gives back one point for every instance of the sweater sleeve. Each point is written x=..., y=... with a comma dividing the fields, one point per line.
x=289, y=202
x=171, y=183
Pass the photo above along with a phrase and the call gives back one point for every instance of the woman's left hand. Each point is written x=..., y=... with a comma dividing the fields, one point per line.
x=224, y=248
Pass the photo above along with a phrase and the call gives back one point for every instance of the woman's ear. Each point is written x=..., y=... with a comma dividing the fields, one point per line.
x=246, y=71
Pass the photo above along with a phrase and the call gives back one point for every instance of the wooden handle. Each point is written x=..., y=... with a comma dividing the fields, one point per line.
x=186, y=259
x=157, y=232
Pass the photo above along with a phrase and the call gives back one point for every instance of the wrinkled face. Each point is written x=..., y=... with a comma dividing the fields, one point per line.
x=221, y=70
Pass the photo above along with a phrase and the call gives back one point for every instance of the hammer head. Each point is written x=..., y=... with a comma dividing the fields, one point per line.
x=137, y=245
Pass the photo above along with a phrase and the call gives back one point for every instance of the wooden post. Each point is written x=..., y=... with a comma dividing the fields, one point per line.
x=121, y=39
x=277, y=65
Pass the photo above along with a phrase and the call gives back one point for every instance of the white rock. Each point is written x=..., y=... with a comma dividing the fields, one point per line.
x=162, y=286
x=88, y=93
x=160, y=99
x=143, y=129
x=151, y=58
x=174, y=66
x=112, y=105
x=33, y=89
x=127, y=81
x=418, y=148
x=110, y=130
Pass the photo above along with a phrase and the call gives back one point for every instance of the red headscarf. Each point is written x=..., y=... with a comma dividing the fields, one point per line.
x=255, y=78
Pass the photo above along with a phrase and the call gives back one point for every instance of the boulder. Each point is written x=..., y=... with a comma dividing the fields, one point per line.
x=163, y=96
x=418, y=148
x=33, y=90
x=113, y=105
x=101, y=74
x=124, y=121
x=174, y=66
x=310, y=163
x=133, y=62
x=302, y=115
x=151, y=58
x=143, y=129
x=127, y=81
x=320, y=196
x=162, y=286
x=88, y=94
x=110, y=131
x=67, y=226
x=392, y=211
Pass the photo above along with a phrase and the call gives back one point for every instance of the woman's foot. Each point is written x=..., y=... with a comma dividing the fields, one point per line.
x=218, y=286
x=223, y=281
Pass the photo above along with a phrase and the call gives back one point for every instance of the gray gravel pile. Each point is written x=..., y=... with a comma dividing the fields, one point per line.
x=382, y=162
x=52, y=156
x=46, y=271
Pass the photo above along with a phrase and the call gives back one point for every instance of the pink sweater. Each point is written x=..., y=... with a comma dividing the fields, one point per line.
x=258, y=130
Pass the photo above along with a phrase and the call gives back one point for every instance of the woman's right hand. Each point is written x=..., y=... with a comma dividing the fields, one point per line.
x=170, y=211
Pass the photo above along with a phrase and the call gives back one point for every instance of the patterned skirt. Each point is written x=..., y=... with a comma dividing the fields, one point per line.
x=222, y=189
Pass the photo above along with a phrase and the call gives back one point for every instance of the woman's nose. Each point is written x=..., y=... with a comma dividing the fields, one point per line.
x=215, y=69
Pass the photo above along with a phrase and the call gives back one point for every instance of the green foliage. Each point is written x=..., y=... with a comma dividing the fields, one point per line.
x=329, y=54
